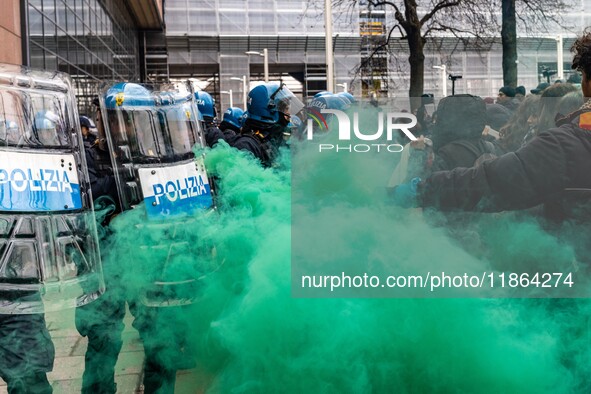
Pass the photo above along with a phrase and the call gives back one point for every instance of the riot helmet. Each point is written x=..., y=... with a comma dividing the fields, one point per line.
x=328, y=102
x=45, y=129
x=205, y=104
x=348, y=96
x=232, y=119
x=9, y=132
x=323, y=93
x=85, y=122
x=127, y=94
x=321, y=120
x=272, y=103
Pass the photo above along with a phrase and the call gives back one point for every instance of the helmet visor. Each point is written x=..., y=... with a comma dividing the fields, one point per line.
x=285, y=101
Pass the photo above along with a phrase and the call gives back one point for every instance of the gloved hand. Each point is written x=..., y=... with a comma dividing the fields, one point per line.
x=405, y=195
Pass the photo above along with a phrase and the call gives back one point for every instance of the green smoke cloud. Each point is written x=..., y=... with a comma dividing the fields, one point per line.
x=253, y=335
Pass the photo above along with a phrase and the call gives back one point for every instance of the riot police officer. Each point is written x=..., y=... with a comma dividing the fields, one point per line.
x=50, y=255
x=207, y=114
x=232, y=122
x=150, y=137
x=101, y=321
x=87, y=136
x=269, y=110
x=25, y=373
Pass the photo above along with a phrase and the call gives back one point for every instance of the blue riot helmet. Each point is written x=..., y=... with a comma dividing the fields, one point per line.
x=316, y=105
x=296, y=122
x=344, y=98
x=272, y=103
x=269, y=109
x=232, y=119
x=314, y=112
x=9, y=132
x=338, y=102
x=328, y=102
x=45, y=130
x=206, y=106
x=348, y=96
x=323, y=93
x=121, y=102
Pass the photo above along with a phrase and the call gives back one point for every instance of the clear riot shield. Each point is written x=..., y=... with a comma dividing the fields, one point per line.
x=48, y=241
x=151, y=132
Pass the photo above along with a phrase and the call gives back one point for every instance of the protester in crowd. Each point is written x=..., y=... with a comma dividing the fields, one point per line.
x=569, y=103
x=497, y=116
x=540, y=88
x=457, y=134
x=520, y=93
x=522, y=121
x=506, y=97
x=548, y=108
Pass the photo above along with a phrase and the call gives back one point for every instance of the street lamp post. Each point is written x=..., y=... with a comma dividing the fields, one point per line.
x=244, y=92
x=443, y=69
x=453, y=79
x=265, y=56
x=328, y=45
x=229, y=92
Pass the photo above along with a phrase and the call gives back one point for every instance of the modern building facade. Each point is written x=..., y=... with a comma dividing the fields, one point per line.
x=92, y=40
x=208, y=39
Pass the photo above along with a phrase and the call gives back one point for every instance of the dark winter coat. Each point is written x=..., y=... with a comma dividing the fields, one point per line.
x=250, y=143
x=212, y=135
x=552, y=169
x=101, y=183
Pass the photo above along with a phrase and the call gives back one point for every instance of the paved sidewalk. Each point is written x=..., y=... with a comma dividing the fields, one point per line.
x=66, y=377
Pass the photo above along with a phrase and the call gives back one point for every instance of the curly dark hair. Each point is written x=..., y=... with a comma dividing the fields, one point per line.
x=582, y=53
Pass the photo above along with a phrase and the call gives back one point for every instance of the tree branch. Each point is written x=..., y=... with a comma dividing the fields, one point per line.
x=439, y=6
x=381, y=46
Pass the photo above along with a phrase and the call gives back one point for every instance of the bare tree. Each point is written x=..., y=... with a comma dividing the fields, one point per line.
x=471, y=21
x=509, y=42
x=535, y=16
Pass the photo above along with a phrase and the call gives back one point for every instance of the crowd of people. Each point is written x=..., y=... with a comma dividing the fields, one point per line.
x=542, y=148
